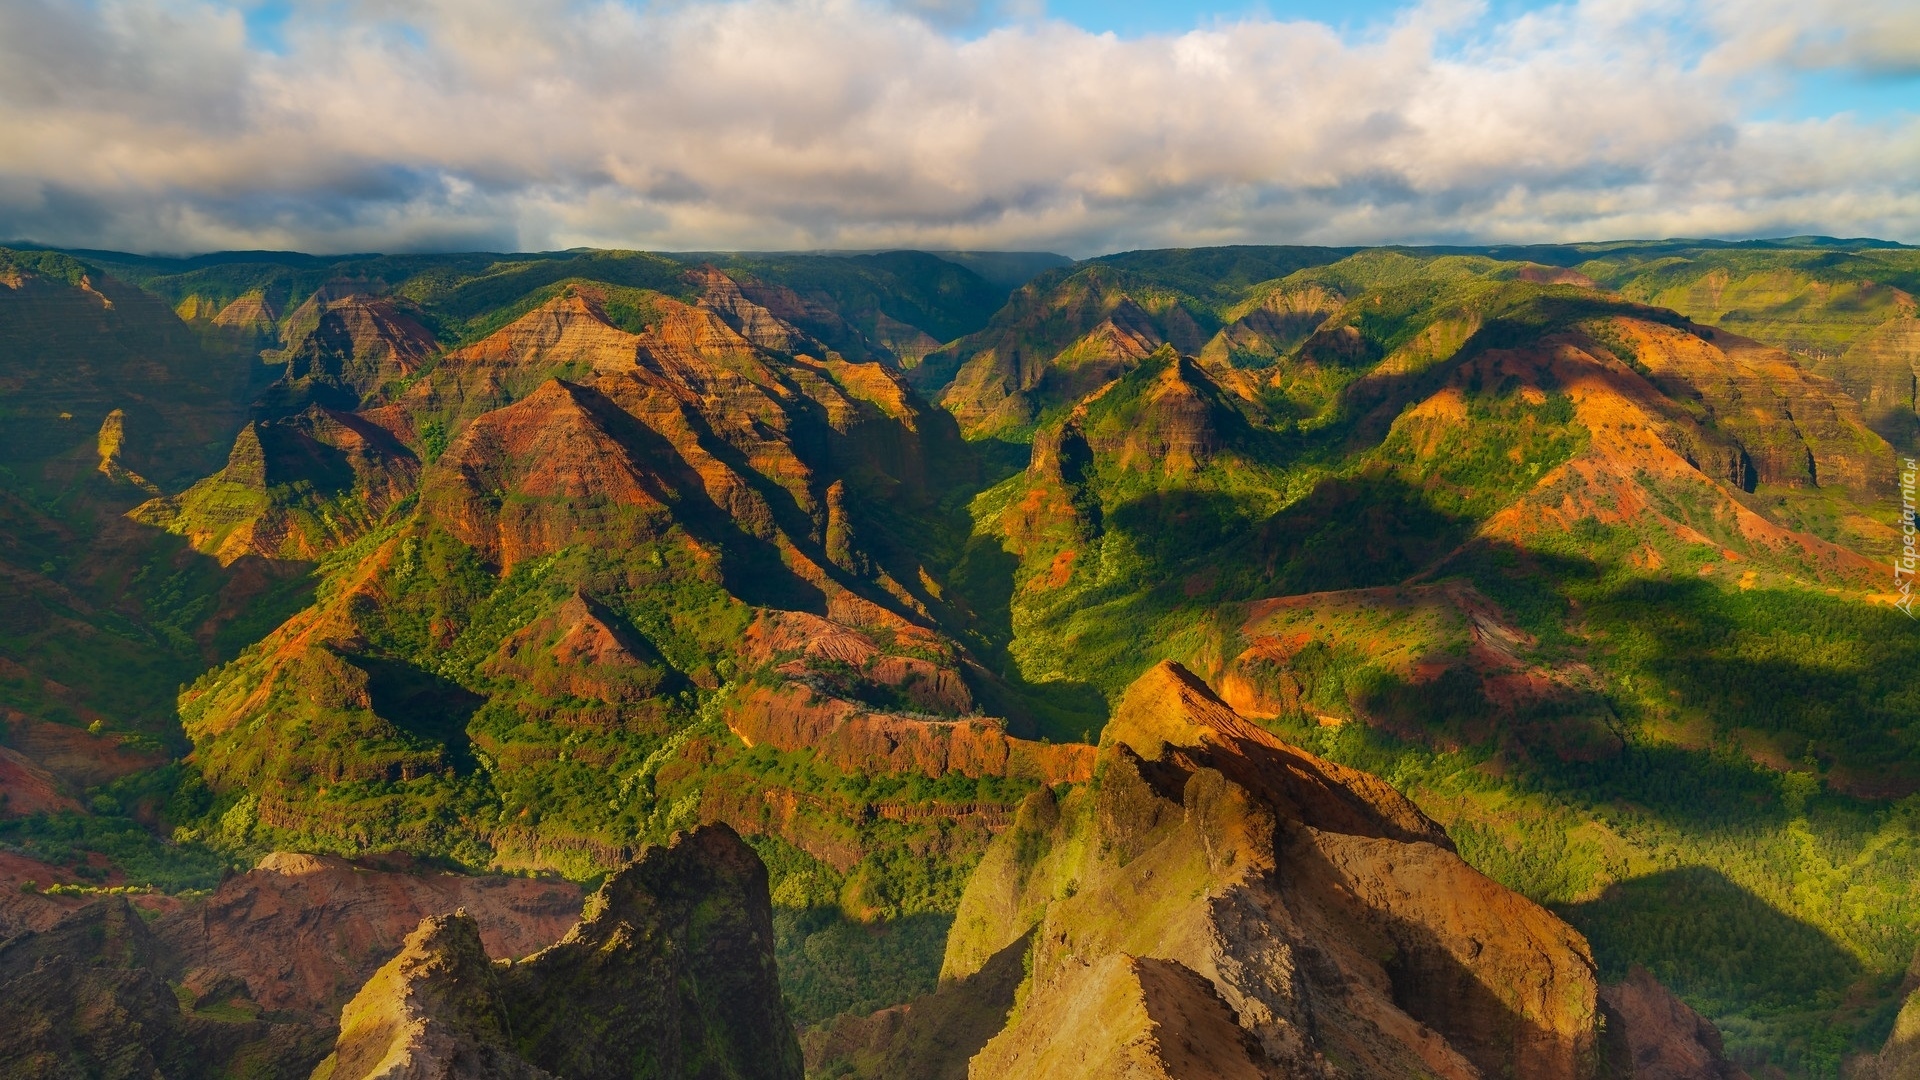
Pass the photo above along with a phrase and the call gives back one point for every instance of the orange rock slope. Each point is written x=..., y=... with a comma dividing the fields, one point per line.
x=1219, y=903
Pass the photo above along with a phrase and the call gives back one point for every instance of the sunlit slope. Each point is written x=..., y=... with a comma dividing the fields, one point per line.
x=1846, y=314
x=528, y=560
x=1539, y=545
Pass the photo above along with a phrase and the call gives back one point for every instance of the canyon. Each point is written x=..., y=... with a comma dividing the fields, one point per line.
x=1229, y=662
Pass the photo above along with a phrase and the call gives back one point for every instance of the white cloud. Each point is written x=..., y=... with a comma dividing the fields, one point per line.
x=1873, y=37
x=387, y=124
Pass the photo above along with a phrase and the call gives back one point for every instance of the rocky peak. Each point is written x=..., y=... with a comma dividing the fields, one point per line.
x=582, y=650
x=432, y=1011
x=1169, y=714
x=344, y=345
x=670, y=972
x=1305, y=911
x=570, y=330
x=110, y=442
x=1282, y=320
x=568, y=475
x=724, y=297
x=252, y=313
x=293, y=488
x=1173, y=418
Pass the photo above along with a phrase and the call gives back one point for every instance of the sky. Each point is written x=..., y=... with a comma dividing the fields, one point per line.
x=1066, y=125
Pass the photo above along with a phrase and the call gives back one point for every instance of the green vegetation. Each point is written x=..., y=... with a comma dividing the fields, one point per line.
x=1618, y=686
x=1683, y=797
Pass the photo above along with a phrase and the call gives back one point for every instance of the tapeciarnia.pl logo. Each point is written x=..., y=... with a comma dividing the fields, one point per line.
x=1904, y=563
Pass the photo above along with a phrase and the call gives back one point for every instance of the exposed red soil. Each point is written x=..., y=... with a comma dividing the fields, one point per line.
x=854, y=739
x=78, y=757
x=26, y=788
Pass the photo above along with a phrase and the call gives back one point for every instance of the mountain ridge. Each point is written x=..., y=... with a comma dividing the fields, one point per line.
x=526, y=562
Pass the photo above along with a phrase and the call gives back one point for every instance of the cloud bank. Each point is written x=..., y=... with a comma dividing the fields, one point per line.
x=779, y=124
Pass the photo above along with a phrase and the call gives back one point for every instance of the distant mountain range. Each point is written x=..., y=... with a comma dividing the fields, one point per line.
x=1250, y=661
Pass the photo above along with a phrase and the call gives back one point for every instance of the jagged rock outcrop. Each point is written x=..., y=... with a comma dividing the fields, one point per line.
x=670, y=973
x=1307, y=916
x=431, y=1013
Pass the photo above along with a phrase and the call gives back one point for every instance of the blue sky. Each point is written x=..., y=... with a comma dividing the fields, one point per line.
x=1074, y=125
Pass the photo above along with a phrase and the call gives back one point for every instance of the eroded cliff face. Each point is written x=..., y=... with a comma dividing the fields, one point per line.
x=1332, y=919
x=345, y=344
x=670, y=973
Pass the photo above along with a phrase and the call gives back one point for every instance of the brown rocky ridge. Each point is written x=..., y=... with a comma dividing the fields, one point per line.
x=670, y=972
x=347, y=342
x=919, y=715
